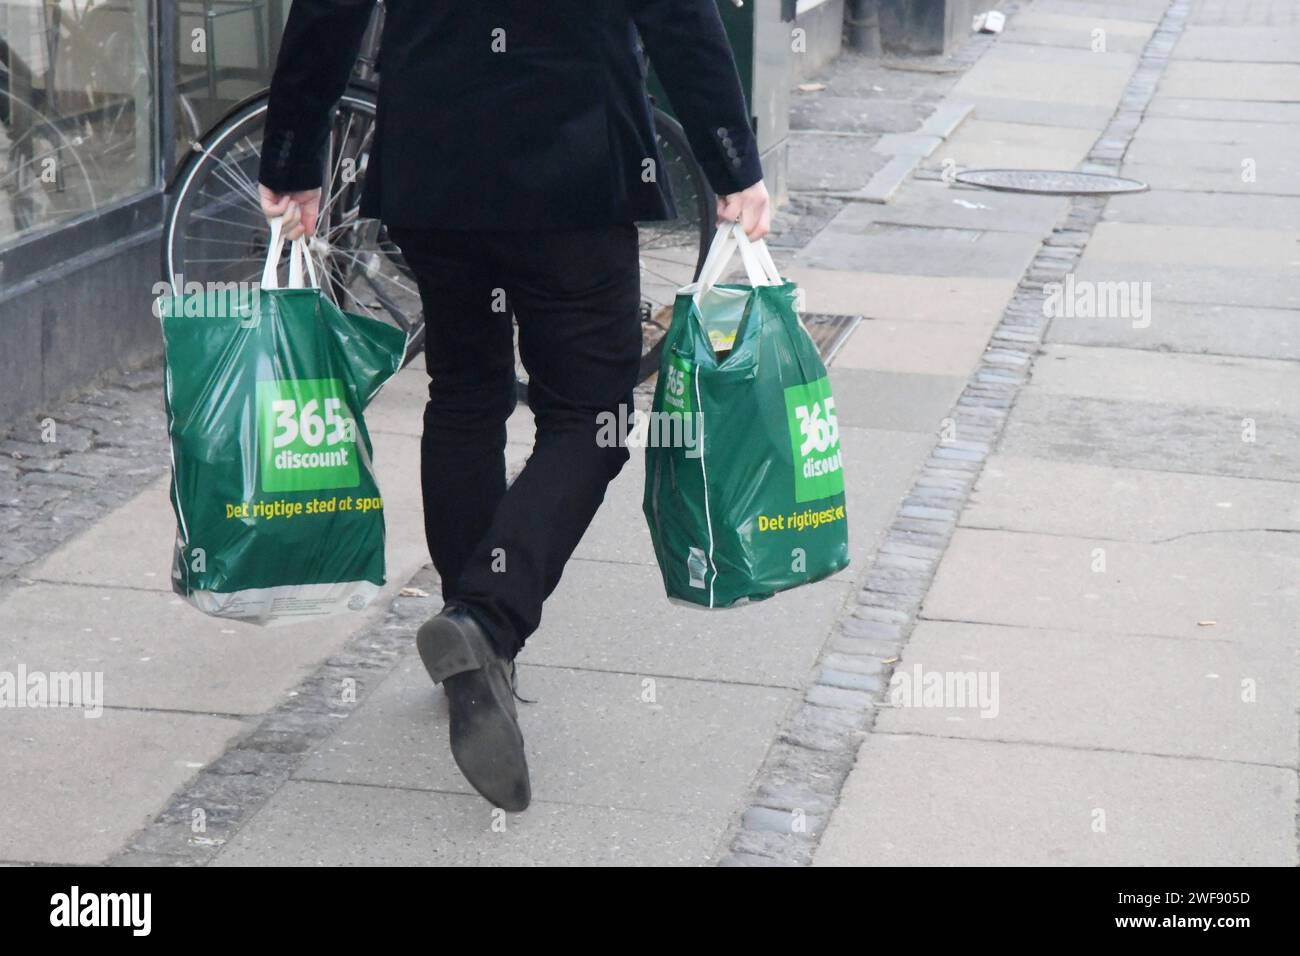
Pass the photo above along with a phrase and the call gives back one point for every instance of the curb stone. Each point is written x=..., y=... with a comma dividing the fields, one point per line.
x=821, y=738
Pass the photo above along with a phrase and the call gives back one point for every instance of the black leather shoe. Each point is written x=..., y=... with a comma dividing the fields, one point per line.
x=485, y=736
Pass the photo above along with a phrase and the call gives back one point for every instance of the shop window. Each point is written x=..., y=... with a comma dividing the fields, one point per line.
x=225, y=50
x=77, y=117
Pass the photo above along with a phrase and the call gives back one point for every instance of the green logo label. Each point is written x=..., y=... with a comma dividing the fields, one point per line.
x=815, y=440
x=307, y=436
x=677, y=385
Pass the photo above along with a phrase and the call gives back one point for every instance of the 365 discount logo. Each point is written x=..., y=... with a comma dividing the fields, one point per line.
x=307, y=436
x=677, y=386
x=815, y=438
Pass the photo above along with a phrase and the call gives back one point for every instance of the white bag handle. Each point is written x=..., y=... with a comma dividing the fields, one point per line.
x=759, y=267
x=298, y=257
x=762, y=253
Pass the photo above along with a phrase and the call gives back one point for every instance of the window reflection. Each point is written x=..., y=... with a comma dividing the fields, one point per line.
x=225, y=50
x=76, y=114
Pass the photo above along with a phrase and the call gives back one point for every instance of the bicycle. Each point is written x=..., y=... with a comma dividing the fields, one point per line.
x=215, y=232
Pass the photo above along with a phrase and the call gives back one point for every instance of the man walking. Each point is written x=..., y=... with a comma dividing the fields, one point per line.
x=514, y=152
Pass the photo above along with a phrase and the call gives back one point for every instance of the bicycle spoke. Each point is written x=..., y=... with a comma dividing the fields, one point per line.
x=225, y=242
x=234, y=177
x=225, y=222
x=365, y=269
x=204, y=259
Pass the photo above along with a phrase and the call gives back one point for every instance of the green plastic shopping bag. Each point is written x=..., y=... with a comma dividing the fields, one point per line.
x=744, y=483
x=278, y=513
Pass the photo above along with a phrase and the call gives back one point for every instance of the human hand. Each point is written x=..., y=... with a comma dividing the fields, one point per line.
x=299, y=209
x=752, y=208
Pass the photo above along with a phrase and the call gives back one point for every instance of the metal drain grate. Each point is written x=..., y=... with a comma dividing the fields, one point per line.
x=829, y=331
x=1051, y=182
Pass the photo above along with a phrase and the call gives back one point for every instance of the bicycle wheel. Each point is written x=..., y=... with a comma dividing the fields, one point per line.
x=215, y=230
x=671, y=251
x=44, y=176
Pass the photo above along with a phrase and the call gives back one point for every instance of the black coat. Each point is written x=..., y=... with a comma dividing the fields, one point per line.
x=512, y=114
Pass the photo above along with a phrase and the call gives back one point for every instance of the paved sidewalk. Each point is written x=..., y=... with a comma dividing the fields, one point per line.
x=326, y=743
x=1127, y=567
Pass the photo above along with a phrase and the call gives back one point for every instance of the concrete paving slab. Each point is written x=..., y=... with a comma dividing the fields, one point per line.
x=906, y=250
x=1225, y=177
x=130, y=547
x=773, y=643
x=830, y=162
x=1011, y=48
x=397, y=466
x=1187, y=327
x=158, y=652
x=1136, y=11
x=1178, y=208
x=939, y=206
x=1268, y=82
x=399, y=406
x=1006, y=109
x=1198, y=108
x=1249, y=44
x=1077, y=33
x=1261, y=168
x=909, y=802
x=919, y=348
x=990, y=143
x=593, y=738
x=1204, y=284
x=620, y=533
x=1101, y=691
x=1029, y=494
x=1091, y=83
x=894, y=401
x=1204, y=381
x=965, y=300
x=322, y=824
x=75, y=789
x=1223, y=247
x=1047, y=581
x=1253, y=135
x=1156, y=437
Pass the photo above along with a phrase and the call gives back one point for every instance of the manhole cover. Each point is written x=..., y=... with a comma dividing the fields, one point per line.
x=1053, y=182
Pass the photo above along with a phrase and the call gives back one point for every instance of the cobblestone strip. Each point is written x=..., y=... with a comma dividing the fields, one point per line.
x=799, y=783
x=201, y=818
x=64, y=469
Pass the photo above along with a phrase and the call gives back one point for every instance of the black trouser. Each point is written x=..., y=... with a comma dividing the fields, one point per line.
x=575, y=296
